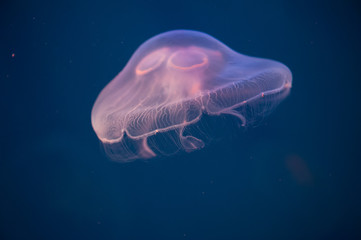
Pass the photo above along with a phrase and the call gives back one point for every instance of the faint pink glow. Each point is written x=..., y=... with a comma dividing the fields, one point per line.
x=299, y=169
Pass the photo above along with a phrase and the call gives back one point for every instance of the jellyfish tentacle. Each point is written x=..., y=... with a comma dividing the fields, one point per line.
x=238, y=115
x=146, y=151
x=190, y=143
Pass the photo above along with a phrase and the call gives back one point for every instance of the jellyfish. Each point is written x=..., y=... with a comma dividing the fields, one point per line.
x=170, y=84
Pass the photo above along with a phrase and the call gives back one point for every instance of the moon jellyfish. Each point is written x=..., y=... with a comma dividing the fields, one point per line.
x=173, y=81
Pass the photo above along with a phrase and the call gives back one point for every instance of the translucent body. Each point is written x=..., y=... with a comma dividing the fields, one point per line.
x=171, y=81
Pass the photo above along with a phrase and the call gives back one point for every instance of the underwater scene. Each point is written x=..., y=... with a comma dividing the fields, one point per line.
x=180, y=120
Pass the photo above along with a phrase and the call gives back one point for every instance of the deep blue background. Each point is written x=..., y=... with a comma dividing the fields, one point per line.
x=295, y=176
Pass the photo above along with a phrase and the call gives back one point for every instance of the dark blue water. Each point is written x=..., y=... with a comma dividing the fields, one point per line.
x=294, y=176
